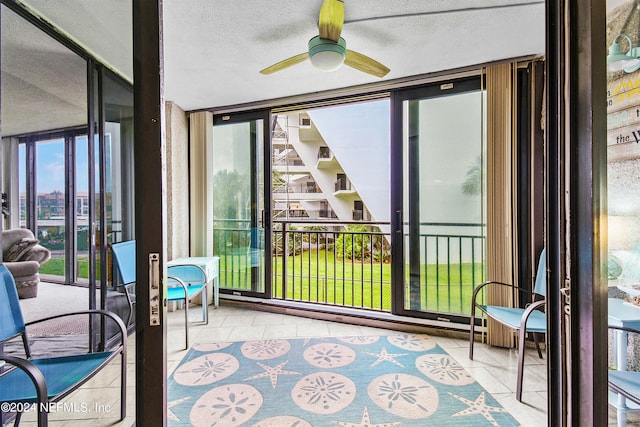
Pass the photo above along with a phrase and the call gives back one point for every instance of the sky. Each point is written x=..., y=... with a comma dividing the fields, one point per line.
x=50, y=166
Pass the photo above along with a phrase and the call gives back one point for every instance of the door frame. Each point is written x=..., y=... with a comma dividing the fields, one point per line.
x=244, y=117
x=150, y=210
x=397, y=215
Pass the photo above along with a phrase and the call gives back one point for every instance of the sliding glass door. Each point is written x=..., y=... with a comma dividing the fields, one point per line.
x=78, y=196
x=241, y=217
x=50, y=219
x=438, y=198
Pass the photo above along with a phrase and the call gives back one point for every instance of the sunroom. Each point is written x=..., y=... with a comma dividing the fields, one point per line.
x=379, y=194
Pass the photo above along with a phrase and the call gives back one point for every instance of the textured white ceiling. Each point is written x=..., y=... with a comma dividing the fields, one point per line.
x=214, y=49
x=44, y=84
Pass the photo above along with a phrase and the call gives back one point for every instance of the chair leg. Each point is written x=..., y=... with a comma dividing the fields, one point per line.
x=535, y=339
x=521, y=344
x=205, y=305
x=123, y=385
x=472, y=330
x=43, y=416
x=186, y=322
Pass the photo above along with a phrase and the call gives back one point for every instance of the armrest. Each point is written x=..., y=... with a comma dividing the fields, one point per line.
x=32, y=372
x=493, y=282
x=23, y=268
x=38, y=253
x=529, y=310
x=180, y=283
x=116, y=318
x=188, y=272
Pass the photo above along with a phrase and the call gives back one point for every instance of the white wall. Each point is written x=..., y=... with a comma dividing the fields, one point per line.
x=177, y=146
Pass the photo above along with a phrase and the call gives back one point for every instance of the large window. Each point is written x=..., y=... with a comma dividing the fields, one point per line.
x=332, y=215
x=330, y=179
x=51, y=195
x=72, y=184
x=239, y=208
x=443, y=197
x=44, y=107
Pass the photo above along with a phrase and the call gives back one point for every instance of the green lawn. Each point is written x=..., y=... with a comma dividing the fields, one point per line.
x=317, y=277
x=55, y=267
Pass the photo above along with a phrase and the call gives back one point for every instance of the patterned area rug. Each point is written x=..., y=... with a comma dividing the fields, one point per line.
x=375, y=381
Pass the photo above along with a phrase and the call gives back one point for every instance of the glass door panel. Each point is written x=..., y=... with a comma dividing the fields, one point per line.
x=22, y=184
x=99, y=210
x=81, y=208
x=50, y=190
x=118, y=160
x=443, y=193
x=238, y=205
x=114, y=197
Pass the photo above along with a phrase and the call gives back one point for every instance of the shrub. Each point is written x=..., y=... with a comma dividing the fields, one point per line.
x=352, y=245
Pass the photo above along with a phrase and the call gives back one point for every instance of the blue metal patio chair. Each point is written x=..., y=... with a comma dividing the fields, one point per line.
x=43, y=381
x=184, y=282
x=124, y=257
x=523, y=320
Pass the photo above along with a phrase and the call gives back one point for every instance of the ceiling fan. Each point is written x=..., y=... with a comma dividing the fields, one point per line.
x=328, y=51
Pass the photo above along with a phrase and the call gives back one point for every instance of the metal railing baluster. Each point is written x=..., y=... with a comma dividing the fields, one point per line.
x=333, y=277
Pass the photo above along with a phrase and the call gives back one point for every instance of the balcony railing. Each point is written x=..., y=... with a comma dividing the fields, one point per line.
x=310, y=187
x=324, y=153
x=325, y=263
x=342, y=185
x=348, y=263
x=361, y=215
x=287, y=161
x=327, y=213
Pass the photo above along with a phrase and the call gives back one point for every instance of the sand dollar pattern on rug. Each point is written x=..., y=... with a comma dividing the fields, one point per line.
x=265, y=349
x=404, y=395
x=212, y=346
x=206, y=369
x=366, y=422
x=443, y=369
x=382, y=381
x=283, y=421
x=329, y=355
x=228, y=406
x=324, y=392
x=363, y=340
x=412, y=342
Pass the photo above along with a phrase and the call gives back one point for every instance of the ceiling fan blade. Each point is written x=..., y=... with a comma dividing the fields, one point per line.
x=331, y=19
x=365, y=64
x=285, y=63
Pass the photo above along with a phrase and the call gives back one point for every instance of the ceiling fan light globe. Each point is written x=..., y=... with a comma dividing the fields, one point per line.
x=327, y=55
x=327, y=60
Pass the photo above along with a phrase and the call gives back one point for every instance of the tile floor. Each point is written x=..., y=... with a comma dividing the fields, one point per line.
x=493, y=368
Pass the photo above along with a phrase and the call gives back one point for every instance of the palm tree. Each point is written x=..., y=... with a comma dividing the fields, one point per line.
x=473, y=184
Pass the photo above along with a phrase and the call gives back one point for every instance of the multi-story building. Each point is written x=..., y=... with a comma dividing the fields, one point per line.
x=308, y=179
